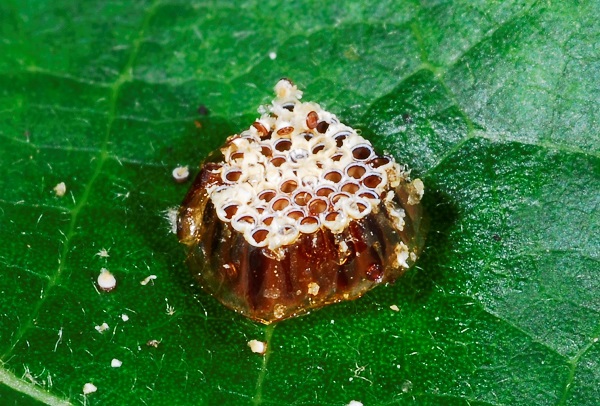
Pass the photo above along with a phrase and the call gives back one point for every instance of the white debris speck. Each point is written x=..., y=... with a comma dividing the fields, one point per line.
x=355, y=403
x=395, y=308
x=170, y=310
x=102, y=328
x=401, y=252
x=171, y=216
x=124, y=317
x=258, y=347
x=115, y=363
x=60, y=189
x=106, y=280
x=313, y=288
x=279, y=311
x=181, y=174
x=103, y=253
x=272, y=55
x=89, y=388
x=147, y=280
x=415, y=191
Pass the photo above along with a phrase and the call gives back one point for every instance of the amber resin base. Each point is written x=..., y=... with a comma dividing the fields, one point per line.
x=298, y=212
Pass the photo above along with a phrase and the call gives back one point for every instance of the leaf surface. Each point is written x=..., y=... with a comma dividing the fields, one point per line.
x=493, y=104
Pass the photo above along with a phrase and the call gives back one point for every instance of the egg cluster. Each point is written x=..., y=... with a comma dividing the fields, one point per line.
x=297, y=169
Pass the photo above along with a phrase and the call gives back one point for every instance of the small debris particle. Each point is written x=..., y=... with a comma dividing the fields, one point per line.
x=402, y=254
x=171, y=216
x=198, y=124
x=272, y=55
x=181, y=174
x=106, y=280
x=89, y=388
x=279, y=311
x=60, y=189
x=258, y=347
x=153, y=343
x=147, y=280
x=313, y=289
x=115, y=363
x=103, y=253
x=395, y=308
x=102, y=328
x=415, y=191
x=496, y=237
x=124, y=317
x=355, y=403
x=170, y=310
x=203, y=110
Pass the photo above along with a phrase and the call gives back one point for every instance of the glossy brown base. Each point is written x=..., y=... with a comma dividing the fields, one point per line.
x=318, y=269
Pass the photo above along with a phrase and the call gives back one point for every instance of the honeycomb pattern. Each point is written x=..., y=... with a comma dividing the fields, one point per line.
x=297, y=169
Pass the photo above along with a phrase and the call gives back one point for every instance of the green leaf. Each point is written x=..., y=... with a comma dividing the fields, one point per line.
x=493, y=104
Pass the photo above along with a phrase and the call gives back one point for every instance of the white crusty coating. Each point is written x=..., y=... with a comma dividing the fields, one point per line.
x=296, y=169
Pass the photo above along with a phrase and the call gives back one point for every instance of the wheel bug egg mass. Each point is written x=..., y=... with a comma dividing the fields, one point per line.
x=297, y=212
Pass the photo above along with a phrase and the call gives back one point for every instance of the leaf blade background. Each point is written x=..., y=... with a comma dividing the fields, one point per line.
x=491, y=104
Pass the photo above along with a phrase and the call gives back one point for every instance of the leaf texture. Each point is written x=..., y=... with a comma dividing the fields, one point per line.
x=493, y=104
